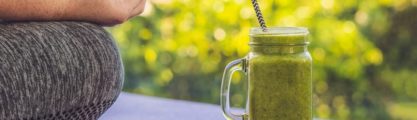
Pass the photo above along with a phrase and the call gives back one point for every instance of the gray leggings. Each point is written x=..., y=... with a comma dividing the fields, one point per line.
x=57, y=71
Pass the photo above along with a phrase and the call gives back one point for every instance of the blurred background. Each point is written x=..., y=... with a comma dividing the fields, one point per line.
x=365, y=59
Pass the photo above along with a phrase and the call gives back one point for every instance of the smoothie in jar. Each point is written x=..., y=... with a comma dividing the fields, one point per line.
x=279, y=72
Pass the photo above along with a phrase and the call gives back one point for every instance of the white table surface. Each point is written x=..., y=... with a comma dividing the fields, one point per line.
x=138, y=107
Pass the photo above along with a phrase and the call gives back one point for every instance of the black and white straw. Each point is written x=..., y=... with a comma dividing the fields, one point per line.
x=259, y=15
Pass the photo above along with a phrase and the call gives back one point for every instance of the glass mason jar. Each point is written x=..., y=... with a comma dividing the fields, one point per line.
x=279, y=72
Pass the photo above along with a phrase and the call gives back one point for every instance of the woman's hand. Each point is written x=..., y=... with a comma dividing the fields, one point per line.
x=105, y=12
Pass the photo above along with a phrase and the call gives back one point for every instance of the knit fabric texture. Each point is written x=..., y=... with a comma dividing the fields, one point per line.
x=57, y=71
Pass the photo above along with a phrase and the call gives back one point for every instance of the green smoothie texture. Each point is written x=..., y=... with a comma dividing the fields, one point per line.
x=280, y=85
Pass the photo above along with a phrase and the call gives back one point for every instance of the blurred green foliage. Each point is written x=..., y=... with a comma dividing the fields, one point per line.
x=365, y=62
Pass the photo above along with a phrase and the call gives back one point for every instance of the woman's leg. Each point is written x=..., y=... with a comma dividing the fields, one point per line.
x=57, y=70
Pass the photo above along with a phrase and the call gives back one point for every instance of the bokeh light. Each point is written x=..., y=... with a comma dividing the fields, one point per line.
x=365, y=62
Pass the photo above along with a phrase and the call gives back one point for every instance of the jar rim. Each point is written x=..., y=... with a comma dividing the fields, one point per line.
x=279, y=31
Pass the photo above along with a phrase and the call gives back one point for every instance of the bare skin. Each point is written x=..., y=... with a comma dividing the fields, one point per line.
x=104, y=12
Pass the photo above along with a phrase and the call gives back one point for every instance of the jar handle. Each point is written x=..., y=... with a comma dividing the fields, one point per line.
x=236, y=65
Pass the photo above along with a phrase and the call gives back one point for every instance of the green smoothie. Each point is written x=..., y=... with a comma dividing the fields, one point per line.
x=280, y=86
